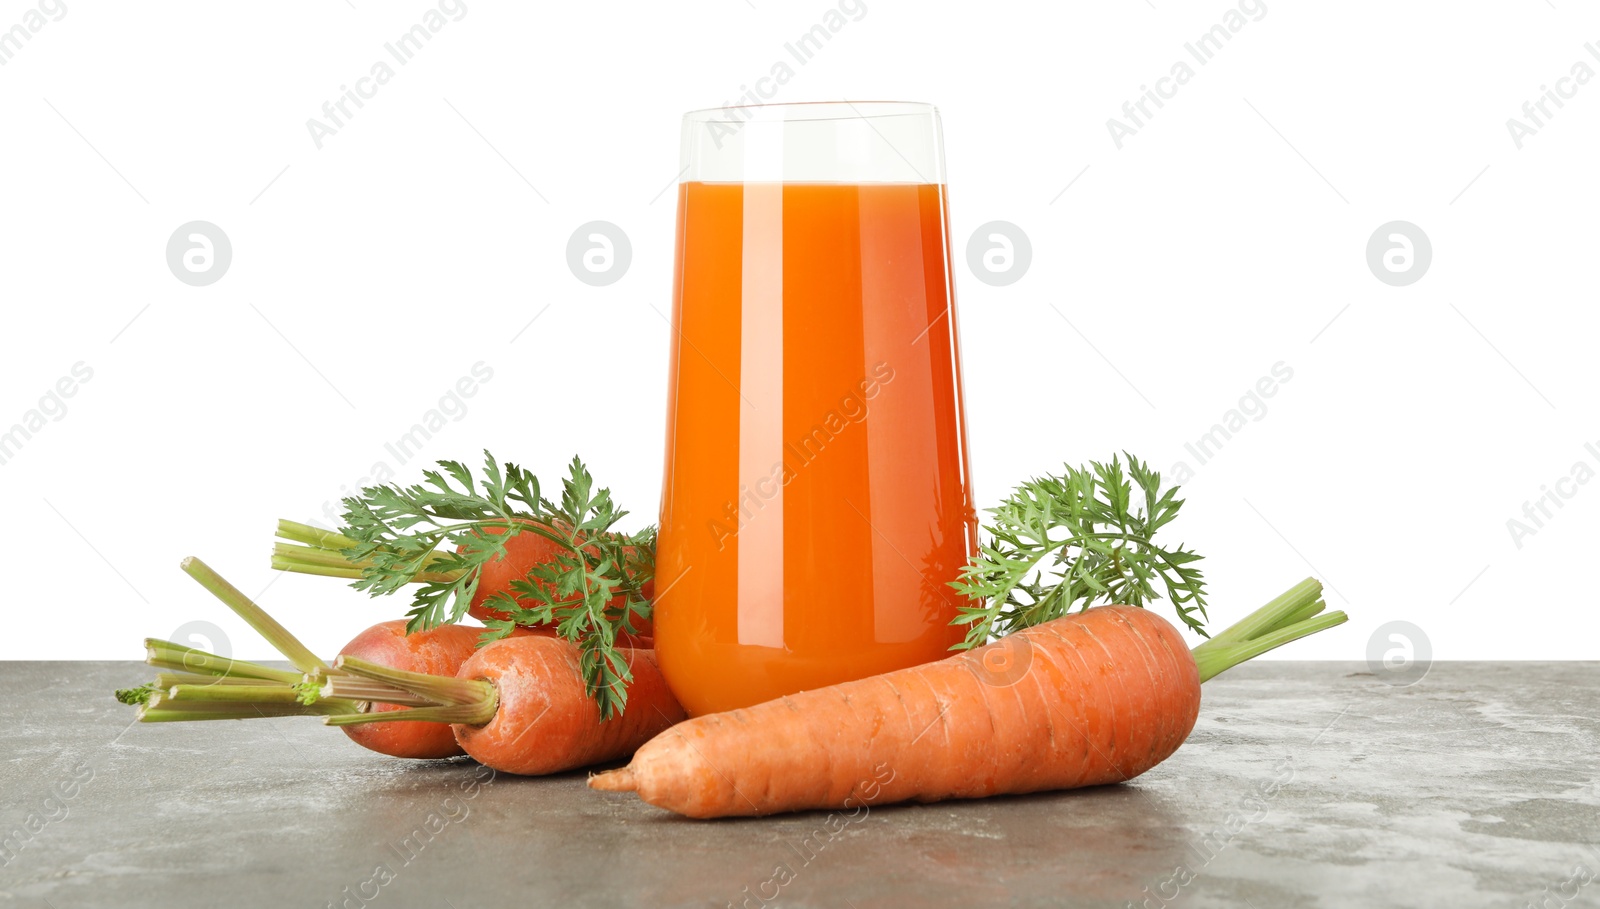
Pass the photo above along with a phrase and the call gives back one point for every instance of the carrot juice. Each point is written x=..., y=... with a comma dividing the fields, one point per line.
x=817, y=494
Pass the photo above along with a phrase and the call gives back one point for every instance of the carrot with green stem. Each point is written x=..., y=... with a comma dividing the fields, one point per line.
x=518, y=559
x=1105, y=695
x=1069, y=696
x=196, y=685
x=442, y=649
x=520, y=706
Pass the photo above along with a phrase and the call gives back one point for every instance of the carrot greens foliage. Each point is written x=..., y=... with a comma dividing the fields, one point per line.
x=1086, y=535
x=396, y=534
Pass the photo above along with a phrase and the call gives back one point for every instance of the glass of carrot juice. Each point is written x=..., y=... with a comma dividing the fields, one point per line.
x=817, y=498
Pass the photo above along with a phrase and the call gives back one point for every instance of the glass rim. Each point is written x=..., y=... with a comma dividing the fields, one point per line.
x=811, y=111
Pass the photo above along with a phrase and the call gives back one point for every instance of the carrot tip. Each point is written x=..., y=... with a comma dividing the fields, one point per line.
x=620, y=780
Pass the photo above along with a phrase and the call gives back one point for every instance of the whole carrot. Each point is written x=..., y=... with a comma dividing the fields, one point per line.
x=1096, y=697
x=520, y=705
x=462, y=538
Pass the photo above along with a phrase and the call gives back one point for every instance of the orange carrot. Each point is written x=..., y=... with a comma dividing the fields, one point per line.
x=438, y=650
x=1096, y=697
x=523, y=553
x=520, y=706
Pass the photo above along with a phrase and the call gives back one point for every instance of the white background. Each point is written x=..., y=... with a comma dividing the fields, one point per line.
x=1227, y=235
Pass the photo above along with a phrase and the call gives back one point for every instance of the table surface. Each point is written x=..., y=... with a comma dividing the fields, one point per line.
x=1303, y=784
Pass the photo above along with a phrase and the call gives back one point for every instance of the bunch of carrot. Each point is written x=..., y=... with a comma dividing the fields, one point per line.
x=1106, y=694
x=517, y=705
x=1095, y=696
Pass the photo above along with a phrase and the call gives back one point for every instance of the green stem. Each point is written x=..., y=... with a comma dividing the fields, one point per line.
x=1301, y=615
x=315, y=536
x=265, y=693
x=1264, y=619
x=287, y=557
x=168, y=712
x=1218, y=661
x=281, y=564
x=1293, y=614
x=355, y=688
x=310, y=555
x=464, y=714
x=205, y=686
x=267, y=626
x=242, y=696
x=180, y=658
x=330, y=563
x=442, y=690
x=165, y=680
x=163, y=701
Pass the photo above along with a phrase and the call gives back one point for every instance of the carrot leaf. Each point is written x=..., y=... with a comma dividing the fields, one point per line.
x=1086, y=536
x=575, y=590
x=136, y=696
x=443, y=531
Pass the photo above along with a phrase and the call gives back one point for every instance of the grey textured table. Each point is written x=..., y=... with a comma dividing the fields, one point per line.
x=1304, y=784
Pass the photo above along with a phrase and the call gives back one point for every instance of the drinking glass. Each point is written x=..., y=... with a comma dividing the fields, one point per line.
x=817, y=498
